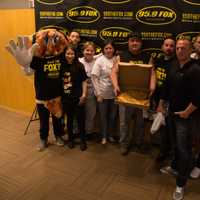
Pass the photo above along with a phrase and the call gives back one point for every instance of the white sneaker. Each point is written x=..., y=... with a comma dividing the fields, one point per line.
x=42, y=145
x=103, y=141
x=60, y=141
x=169, y=170
x=195, y=173
x=178, y=193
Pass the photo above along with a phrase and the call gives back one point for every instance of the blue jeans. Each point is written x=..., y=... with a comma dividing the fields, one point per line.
x=90, y=114
x=108, y=113
x=167, y=137
x=126, y=114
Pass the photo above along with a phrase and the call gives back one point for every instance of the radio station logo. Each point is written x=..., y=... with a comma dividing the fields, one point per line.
x=193, y=2
x=156, y=15
x=50, y=2
x=83, y=14
x=116, y=1
x=118, y=34
x=153, y=52
x=188, y=35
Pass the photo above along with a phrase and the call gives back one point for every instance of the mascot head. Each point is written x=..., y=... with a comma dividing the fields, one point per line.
x=52, y=41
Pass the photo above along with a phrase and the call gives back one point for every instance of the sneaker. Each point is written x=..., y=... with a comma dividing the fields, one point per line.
x=124, y=150
x=83, y=146
x=60, y=141
x=178, y=193
x=195, y=173
x=168, y=170
x=43, y=145
x=111, y=139
x=103, y=141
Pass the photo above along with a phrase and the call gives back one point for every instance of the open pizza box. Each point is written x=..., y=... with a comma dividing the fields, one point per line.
x=134, y=82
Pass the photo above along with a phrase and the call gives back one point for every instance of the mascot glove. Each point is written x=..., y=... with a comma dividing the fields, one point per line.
x=21, y=50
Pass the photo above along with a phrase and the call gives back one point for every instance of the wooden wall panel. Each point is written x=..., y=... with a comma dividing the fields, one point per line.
x=16, y=89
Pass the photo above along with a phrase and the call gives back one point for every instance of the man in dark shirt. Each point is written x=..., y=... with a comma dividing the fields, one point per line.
x=162, y=65
x=136, y=56
x=182, y=92
x=195, y=173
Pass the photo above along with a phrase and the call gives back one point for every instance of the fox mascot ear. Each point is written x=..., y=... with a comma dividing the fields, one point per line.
x=51, y=41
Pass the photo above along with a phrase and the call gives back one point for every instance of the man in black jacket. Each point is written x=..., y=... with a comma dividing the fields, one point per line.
x=182, y=92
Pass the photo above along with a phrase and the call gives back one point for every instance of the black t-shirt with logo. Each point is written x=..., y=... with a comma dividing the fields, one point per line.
x=73, y=76
x=47, y=76
x=162, y=65
x=141, y=58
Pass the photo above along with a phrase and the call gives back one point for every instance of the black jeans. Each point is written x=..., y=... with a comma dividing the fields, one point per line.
x=167, y=138
x=183, y=149
x=44, y=116
x=197, y=163
x=72, y=110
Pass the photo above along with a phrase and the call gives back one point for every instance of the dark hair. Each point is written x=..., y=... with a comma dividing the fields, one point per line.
x=111, y=42
x=74, y=30
x=135, y=35
x=76, y=63
x=171, y=37
x=75, y=51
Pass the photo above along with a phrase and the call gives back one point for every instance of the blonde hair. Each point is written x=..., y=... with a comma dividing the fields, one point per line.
x=89, y=43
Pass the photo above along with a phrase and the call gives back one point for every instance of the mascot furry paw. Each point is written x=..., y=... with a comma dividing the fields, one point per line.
x=44, y=43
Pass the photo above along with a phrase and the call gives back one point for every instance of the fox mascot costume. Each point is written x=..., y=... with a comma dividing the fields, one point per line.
x=44, y=44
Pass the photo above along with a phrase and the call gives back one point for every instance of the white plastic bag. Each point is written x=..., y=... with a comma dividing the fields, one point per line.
x=158, y=121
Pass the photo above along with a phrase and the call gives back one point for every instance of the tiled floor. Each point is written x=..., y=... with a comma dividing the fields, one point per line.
x=59, y=173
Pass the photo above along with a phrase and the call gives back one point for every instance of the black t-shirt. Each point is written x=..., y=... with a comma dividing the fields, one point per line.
x=73, y=76
x=161, y=65
x=141, y=58
x=47, y=76
x=182, y=85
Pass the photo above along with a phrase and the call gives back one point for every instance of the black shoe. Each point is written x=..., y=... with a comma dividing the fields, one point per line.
x=83, y=146
x=70, y=144
x=143, y=148
x=124, y=150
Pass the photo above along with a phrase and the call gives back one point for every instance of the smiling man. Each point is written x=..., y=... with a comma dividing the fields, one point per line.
x=182, y=92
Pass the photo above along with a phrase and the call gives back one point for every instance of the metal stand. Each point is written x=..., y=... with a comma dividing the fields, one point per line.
x=33, y=117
